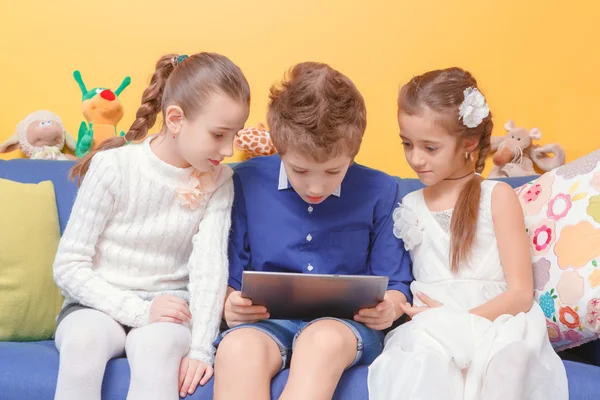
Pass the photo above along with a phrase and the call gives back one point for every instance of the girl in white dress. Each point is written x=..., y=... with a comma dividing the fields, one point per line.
x=475, y=332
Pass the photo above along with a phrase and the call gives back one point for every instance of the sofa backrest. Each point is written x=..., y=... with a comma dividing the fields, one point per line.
x=35, y=171
x=410, y=185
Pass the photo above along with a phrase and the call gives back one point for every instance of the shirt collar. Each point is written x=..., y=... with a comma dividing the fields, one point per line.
x=284, y=183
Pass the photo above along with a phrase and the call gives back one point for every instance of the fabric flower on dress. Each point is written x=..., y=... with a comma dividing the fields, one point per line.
x=474, y=108
x=198, y=190
x=407, y=227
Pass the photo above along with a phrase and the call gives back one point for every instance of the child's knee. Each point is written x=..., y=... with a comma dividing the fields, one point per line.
x=83, y=356
x=93, y=346
x=81, y=343
x=252, y=346
x=327, y=338
x=157, y=343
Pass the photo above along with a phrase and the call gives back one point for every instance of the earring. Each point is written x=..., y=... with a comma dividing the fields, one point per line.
x=467, y=154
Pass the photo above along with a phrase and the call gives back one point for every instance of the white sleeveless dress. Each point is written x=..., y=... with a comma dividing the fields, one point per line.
x=447, y=353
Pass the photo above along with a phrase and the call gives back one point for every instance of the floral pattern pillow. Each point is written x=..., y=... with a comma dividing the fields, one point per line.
x=562, y=216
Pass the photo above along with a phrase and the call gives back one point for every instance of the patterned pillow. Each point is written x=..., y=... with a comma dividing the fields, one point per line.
x=562, y=216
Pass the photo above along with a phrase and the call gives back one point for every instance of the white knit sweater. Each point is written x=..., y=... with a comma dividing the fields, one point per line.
x=129, y=239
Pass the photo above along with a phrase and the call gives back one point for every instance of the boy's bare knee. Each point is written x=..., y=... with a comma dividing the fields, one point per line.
x=249, y=349
x=327, y=338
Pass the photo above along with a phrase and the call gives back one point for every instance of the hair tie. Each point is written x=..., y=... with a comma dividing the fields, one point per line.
x=125, y=141
x=178, y=60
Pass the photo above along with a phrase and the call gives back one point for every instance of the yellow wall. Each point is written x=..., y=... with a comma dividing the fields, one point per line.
x=537, y=60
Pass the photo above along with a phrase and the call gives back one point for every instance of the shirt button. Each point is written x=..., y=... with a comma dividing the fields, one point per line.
x=310, y=209
x=309, y=237
x=310, y=267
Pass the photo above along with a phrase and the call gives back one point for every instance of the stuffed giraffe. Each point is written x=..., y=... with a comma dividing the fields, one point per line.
x=254, y=141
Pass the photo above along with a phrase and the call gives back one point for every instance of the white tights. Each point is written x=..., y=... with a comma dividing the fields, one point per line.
x=87, y=339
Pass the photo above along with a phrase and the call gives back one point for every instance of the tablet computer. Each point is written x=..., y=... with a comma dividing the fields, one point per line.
x=288, y=295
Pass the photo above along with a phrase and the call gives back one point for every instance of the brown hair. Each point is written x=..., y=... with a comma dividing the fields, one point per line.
x=177, y=80
x=317, y=111
x=442, y=91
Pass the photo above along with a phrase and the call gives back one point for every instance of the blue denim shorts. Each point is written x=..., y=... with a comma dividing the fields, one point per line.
x=285, y=332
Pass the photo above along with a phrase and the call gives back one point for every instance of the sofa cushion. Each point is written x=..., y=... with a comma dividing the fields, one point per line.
x=36, y=171
x=29, y=371
x=29, y=236
x=562, y=216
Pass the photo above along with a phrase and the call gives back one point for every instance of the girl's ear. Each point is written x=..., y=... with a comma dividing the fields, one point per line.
x=469, y=145
x=173, y=118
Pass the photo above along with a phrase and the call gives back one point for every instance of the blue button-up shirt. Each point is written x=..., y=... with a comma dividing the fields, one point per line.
x=350, y=232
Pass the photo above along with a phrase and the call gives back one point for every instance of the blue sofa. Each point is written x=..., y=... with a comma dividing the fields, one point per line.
x=29, y=370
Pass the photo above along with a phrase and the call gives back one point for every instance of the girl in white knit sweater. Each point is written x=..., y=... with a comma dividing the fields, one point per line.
x=143, y=260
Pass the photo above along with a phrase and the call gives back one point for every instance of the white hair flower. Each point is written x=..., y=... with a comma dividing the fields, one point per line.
x=474, y=108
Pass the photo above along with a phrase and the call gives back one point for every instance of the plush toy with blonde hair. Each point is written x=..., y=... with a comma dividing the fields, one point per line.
x=516, y=155
x=41, y=135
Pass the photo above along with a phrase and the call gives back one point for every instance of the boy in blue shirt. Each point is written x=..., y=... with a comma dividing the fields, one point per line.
x=309, y=209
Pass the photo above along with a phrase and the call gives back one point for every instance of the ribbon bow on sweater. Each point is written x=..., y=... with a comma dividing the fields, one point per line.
x=198, y=190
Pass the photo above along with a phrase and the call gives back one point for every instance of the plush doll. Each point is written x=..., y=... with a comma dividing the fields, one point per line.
x=254, y=141
x=102, y=111
x=41, y=135
x=516, y=155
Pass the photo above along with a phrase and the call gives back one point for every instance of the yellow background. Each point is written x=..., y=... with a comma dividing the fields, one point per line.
x=537, y=61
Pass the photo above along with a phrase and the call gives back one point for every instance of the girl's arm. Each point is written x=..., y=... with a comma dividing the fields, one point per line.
x=509, y=225
x=73, y=270
x=209, y=272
